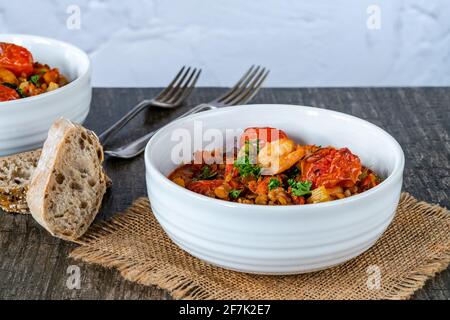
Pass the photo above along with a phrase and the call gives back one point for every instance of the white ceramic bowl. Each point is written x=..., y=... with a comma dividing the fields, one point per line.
x=24, y=122
x=278, y=239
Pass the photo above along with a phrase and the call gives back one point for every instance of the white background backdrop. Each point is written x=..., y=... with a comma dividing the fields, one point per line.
x=304, y=43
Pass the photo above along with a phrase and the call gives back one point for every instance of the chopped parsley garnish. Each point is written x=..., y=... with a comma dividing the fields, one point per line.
x=274, y=183
x=246, y=168
x=247, y=147
x=35, y=79
x=300, y=188
x=206, y=174
x=243, y=163
x=234, y=193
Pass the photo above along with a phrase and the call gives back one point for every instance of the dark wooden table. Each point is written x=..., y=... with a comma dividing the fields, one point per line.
x=33, y=265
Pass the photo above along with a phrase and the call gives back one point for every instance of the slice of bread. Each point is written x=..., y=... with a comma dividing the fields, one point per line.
x=15, y=173
x=67, y=187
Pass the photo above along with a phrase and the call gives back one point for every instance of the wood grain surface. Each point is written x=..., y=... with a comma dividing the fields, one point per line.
x=33, y=265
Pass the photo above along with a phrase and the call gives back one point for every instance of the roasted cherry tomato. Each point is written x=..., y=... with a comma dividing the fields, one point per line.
x=7, y=93
x=330, y=167
x=264, y=134
x=205, y=187
x=16, y=59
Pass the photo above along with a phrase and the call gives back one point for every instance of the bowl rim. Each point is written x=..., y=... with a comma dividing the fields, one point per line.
x=395, y=174
x=25, y=102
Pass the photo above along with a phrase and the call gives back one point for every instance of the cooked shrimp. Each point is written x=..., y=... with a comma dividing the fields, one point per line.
x=278, y=156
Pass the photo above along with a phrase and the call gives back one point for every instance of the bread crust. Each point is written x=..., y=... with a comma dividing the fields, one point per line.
x=65, y=219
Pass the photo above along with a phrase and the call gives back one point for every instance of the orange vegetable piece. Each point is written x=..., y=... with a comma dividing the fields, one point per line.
x=51, y=76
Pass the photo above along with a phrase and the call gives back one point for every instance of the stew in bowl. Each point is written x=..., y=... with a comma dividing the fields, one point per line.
x=21, y=76
x=269, y=168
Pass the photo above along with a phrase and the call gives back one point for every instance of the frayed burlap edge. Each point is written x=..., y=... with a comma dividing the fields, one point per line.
x=417, y=278
x=181, y=287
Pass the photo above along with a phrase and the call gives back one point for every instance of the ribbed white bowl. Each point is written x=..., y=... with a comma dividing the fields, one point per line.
x=24, y=122
x=277, y=239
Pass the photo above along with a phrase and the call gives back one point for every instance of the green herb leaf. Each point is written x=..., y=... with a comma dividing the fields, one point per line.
x=206, y=174
x=247, y=147
x=300, y=188
x=243, y=162
x=35, y=79
x=273, y=184
x=246, y=168
x=234, y=193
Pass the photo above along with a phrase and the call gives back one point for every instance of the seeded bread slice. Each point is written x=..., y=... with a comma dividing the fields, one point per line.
x=68, y=185
x=15, y=173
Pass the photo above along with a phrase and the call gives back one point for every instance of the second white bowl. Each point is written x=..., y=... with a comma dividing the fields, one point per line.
x=24, y=122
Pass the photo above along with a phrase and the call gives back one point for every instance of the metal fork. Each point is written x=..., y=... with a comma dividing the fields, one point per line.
x=242, y=92
x=172, y=96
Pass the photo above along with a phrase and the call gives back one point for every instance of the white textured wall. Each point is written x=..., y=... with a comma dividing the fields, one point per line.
x=305, y=43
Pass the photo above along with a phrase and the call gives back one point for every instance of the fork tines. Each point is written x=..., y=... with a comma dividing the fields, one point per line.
x=246, y=88
x=180, y=87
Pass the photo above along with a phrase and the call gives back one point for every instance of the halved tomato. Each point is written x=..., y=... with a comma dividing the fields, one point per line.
x=7, y=93
x=263, y=134
x=16, y=59
x=330, y=167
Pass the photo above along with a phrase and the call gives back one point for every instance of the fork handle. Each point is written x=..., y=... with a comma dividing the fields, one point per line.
x=108, y=133
x=137, y=146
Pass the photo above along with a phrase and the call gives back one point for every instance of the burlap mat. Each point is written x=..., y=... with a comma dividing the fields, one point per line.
x=413, y=249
